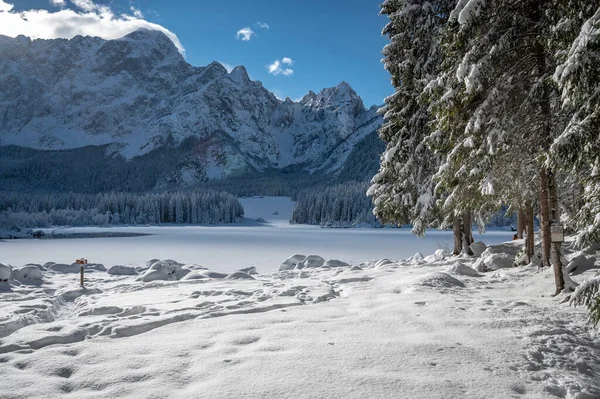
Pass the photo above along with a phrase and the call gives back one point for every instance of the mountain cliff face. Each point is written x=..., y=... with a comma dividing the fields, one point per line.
x=136, y=95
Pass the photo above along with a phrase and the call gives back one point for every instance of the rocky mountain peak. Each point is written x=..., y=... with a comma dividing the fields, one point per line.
x=137, y=94
x=341, y=97
x=240, y=75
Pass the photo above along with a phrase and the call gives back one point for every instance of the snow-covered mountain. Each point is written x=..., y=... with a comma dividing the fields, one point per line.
x=137, y=94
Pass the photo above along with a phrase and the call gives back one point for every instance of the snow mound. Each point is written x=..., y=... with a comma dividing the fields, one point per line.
x=239, y=276
x=580, y=262
x=249, y=270
x=489, y=262
x=416, y=258
x=291, y=262
x=203, y=274
x=382, y=262
x=47, y=265
x=441, y=254
x=119, y=270
x=478, y=248
x=167, y=270
x=171, y=262
x=439, y=280
x=335, y=263
x=497, y=257
x=36, y=265
x=152, y=261
x=28, y=275
x=96, y=266
x=5, y=272
x=64, y=268
x=310, y=262
x=355, y=268
x=462, y=270
x=71, y=295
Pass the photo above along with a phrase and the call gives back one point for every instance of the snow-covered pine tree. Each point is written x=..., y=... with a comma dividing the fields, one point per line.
x=497, y=85
x=577, y=148
x=588, y=294
x=403, y=190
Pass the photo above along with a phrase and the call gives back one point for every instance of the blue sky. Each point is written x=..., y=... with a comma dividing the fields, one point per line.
x=327, y=41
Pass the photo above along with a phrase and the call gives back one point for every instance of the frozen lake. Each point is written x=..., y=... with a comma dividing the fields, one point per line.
x=232, y=247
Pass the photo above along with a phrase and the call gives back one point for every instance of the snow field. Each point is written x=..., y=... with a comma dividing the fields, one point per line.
x=403, y=329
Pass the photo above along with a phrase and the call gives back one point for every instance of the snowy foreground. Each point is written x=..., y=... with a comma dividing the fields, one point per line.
x=425, y=327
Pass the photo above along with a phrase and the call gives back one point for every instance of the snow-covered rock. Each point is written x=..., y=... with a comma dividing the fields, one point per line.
x=335, y=263
x=5, y=272
x=150, y=262
x=239, y=276
x=440, y=280
x=460, y=269
x=382, y=263
x=580, y=262
x=164, y=270
x=204, y=274
x=310, y=262
x=416, y=258
x=96, y=266
x=171, y=262
x=28, y=275
x=291, y=262
x=497, y=257
x=64, y=268
x=478, y=248
x=119, y=270
x=441, y=254
x=249, y=270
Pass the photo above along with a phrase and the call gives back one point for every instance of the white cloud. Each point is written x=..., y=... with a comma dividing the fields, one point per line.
x=58, y=3
x=137, y=12
x=66, y=23
x=262, y=25
x=275, y=68
x=85, y=5
x=5, y=7
x=287, y=61
x=245, y=34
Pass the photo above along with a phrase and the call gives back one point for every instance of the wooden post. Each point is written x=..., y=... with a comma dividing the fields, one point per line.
x=82, y=262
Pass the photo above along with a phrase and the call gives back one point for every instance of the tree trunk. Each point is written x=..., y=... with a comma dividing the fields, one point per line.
x=456, y=228
x=467, y=231
x=530, y=243
x=556, y=246
x=544, y=217
x=520, y=223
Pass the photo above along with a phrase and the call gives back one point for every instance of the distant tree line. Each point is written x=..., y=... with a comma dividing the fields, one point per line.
x=339, y=205
x=19, y=210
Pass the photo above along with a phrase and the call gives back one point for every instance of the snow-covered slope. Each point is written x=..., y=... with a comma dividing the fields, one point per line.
x=138, y=94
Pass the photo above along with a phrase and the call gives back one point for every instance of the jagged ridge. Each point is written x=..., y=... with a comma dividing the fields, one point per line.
x=137, y=94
